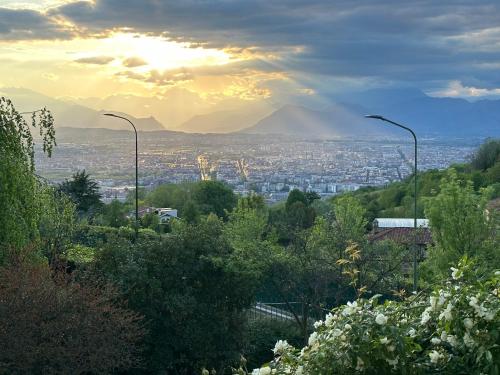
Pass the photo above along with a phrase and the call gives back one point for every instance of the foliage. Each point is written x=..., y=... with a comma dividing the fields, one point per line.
x=261, y=334
x=453, y=329
x=57, y=223
x=19, y=187
x=214, y=197
x=80, y=255
x=189, y=292
x=330, y=263
x=487, y=154
x=193, y=199
x=460, y=226
x=84, y=192
x=49, y=324
x=114, y=214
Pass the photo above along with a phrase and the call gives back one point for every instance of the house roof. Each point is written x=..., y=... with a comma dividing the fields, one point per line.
x=402, y=235
x=399, y=223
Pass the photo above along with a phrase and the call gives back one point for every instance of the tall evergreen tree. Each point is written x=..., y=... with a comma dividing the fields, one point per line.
x=84, y=192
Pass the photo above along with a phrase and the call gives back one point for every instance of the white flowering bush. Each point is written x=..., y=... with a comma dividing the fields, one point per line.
x=453, y=329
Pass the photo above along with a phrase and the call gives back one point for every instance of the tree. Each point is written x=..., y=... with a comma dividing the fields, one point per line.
x=295, y=196
x=49, y=324
x=57, y=223
x=189, y=292
x=114, y=214
x=460, y=226
x=19, y=192
x=190, y=212
x=84, y=192
x=487, y=154
x=214, y=197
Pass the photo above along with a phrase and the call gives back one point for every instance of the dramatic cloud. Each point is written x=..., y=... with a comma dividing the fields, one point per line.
x=19, y=24
x=97, y=60
x=421, y=43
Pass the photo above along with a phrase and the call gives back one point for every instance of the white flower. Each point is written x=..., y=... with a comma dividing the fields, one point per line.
x=412, y=332
x=360, y=365
x=299, y=370
x=347, y=327
x=456, y=273
x=391, y=348
x=318, y=324
x=380, y=319
x=329, y=320
x=489, y=315
x=262, y=371
x=468, y=323
x=425, y=317
x=446, y=314
x=350, y=309
x=313, y=338
x=281, y=347
x=443, y=336
x=435, y=341
x=435, y=356
x=433, y=302
x=393, y=362
x=336, y=332
x=468, y=341
x=385, y=341
x=452, y=340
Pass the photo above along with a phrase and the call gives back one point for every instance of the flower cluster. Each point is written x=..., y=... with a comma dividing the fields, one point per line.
x=453, y=329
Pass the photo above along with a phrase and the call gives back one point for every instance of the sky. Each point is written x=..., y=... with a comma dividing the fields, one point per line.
x=249, y=50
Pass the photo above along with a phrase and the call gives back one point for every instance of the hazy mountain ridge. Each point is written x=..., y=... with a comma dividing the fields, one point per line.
x=428, y=116
x=67, y=114
x=335, y=122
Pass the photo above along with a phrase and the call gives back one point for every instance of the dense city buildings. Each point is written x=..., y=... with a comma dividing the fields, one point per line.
x=271, y=166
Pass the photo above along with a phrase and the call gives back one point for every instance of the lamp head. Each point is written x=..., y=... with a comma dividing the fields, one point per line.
x=377, y=117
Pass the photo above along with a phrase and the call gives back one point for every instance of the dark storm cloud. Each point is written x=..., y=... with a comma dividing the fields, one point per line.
x=402, y=41
x=18, y=24
x=419, y=42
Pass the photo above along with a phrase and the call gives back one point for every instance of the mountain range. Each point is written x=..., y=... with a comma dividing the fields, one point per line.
x=68, y=114
x=429, y=116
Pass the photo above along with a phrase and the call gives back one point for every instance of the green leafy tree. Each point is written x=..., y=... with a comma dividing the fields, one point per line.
x=57, y=223
x=487, y=154
x=19, y=187
x=214, y=197
x=151, y=220
x=114, y=214
x=460, y=226
x=190, y=212
x=84, y=192
x=190, y=294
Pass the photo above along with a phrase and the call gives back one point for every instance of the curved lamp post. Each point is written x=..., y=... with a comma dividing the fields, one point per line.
x=136, y=174
x=381, y=118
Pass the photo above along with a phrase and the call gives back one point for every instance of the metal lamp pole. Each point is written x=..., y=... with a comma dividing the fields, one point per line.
x=378, y=117
x=136, y=174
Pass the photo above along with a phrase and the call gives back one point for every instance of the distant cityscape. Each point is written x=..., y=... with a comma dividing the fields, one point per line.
x=271, y=166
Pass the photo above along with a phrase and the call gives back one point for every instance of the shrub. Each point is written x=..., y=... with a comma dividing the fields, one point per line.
x=453, y=329
x=51, y=325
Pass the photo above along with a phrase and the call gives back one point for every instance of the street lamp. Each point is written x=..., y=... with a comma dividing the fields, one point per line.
x=136, y=174
x=381, y=118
